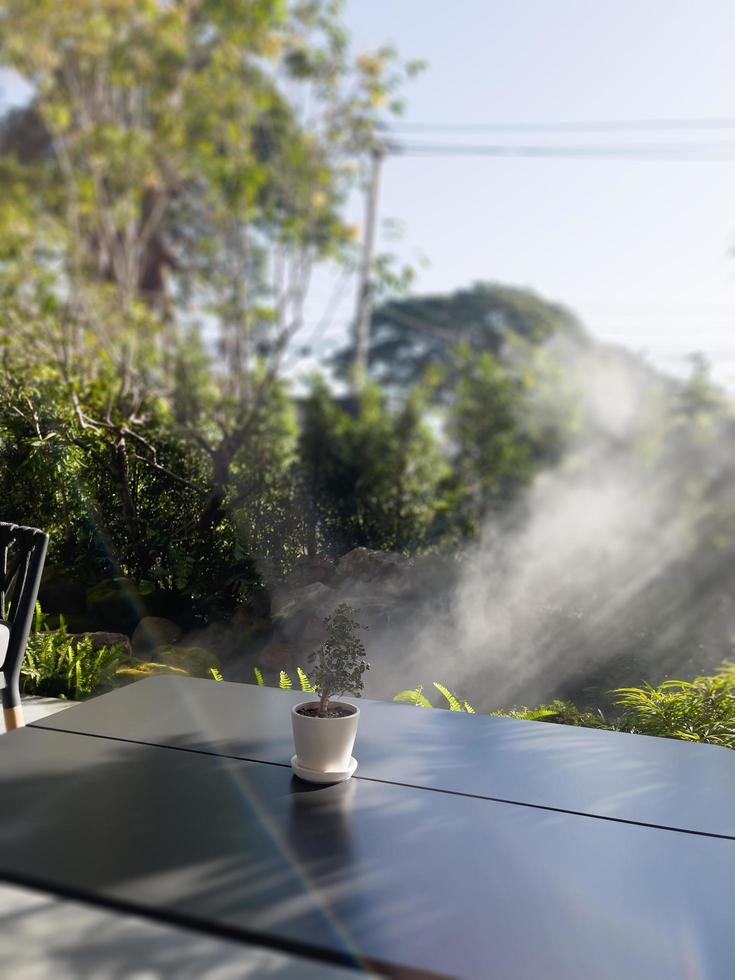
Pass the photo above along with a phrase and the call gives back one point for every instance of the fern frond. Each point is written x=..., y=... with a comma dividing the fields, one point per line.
x=538, y=714
x=415, y=697
x=258, y=677
x=216, y=676
x=284, y=681
x=304, y=681
x=468, y=708
x=452, y=699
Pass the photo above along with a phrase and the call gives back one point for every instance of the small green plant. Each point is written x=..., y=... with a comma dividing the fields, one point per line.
x=284, y=680
x=63, y=666
x=418, y=698
x=415, y=697
x=339, y=663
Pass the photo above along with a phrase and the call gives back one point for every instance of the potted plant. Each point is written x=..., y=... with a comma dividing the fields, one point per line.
x=324, y=731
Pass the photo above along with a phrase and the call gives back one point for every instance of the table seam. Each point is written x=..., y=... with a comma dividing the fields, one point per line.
x=392, y=782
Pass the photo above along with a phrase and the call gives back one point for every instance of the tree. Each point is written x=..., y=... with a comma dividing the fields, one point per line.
x=411, y=337
x=181, y=164
x=371, y=476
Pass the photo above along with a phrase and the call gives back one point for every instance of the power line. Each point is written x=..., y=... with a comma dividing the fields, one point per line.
x=721, y=150
x=580, y=126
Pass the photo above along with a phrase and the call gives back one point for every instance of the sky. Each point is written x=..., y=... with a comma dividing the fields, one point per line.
x=643, y=251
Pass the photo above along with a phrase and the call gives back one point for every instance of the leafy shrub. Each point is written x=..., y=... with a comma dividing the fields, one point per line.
x=702, y=710
x=58, y=665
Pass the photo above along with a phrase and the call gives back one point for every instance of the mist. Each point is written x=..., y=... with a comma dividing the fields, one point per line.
x=612, y=568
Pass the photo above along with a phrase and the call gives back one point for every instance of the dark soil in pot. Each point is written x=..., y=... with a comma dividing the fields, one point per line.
x=333, y=711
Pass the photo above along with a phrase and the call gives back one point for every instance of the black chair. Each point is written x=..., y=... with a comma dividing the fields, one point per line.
x=22, y=555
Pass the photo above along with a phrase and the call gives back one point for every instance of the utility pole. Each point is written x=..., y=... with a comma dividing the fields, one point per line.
x=364, y=286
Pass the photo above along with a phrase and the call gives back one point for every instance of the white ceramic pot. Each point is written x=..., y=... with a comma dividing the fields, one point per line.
x=324, y=744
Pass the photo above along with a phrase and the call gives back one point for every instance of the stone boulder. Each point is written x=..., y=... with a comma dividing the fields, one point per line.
x=310, y=569
x=153, y=632
x=384, y=571
x=291, y=609
x=278, y=655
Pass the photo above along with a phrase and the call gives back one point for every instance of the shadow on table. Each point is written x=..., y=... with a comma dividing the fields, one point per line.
x=42, y=936
x=203, y=840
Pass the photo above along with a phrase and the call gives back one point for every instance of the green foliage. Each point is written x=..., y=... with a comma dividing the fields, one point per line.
x=138, y=671
x=58, y=665
x=702, y=710
x=415, y=697
x=304, y=681
x=416, y=337
x=61, y=665
x=370, y=478
x=339, y=663
x=559, y=712
x=285, y=682
x=167, y=173
x=452, y=700
x=258, y=677
x=193, y=661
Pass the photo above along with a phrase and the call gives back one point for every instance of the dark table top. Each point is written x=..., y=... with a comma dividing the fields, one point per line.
x=364, y=871
x=656, y=781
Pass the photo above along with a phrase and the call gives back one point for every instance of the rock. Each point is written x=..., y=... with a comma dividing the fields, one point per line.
x=385, y=571
x=308, y=570
x=278, y=655
x=312, y=636
x=376, y=612
x=101, y=639
x=247, y=622
x=287, y=603
x=291, y=611
x=153, y=632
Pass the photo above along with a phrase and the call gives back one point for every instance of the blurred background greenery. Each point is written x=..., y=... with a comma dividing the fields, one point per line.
x=179, y=177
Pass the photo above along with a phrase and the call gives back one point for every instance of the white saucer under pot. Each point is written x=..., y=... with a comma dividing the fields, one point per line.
x=314, y=776
x=324, y=745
